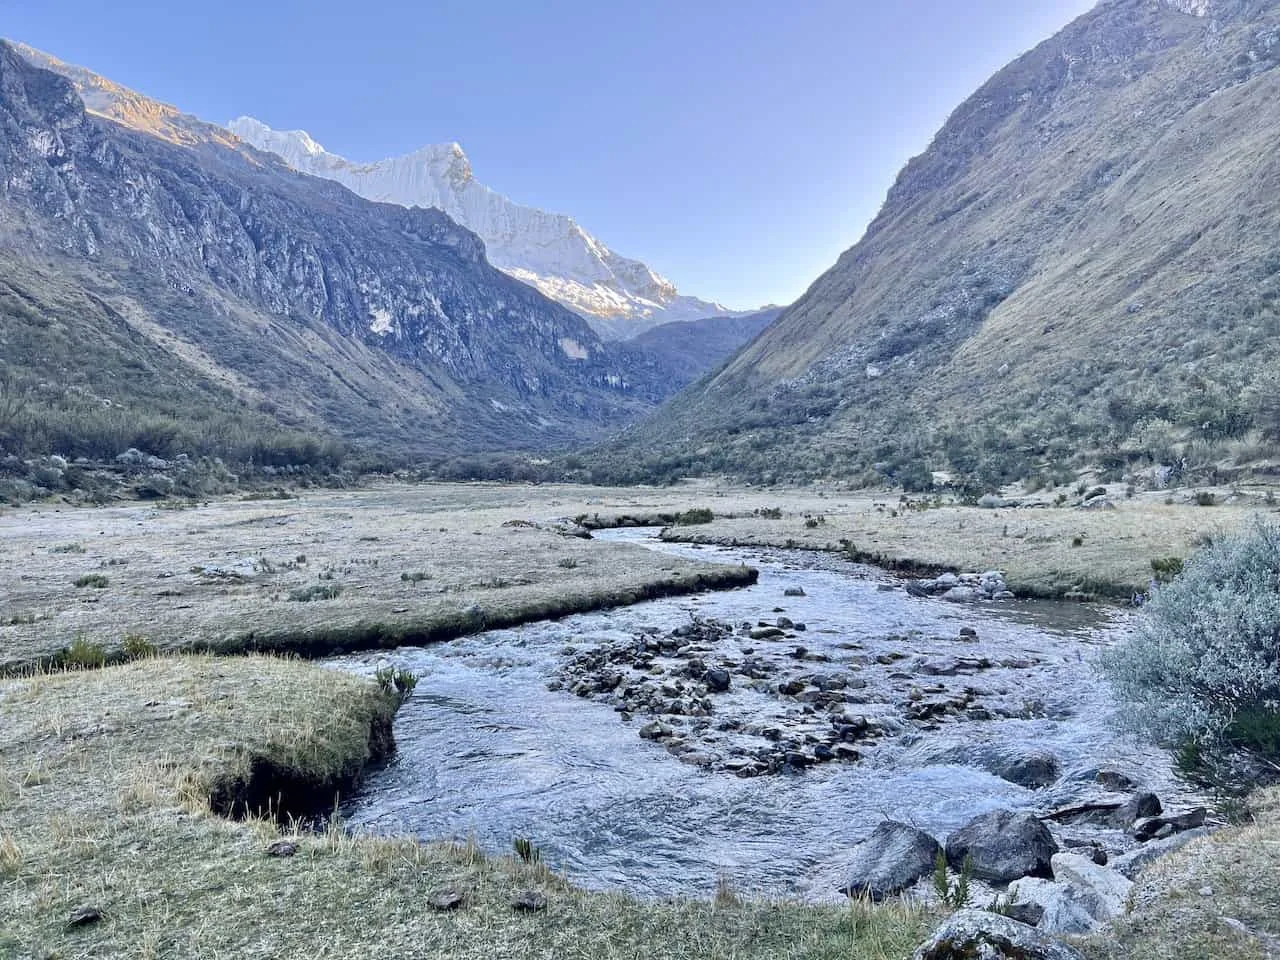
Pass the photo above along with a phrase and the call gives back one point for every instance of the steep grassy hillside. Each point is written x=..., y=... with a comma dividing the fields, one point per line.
x=1084, y=266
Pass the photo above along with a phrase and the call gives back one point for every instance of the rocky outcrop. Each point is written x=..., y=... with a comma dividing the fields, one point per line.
x=979, y=935
x=893, y=858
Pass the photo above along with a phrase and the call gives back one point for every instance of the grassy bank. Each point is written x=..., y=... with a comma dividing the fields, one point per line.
x=1044, y=552
x=105, y=778
x=331, y=572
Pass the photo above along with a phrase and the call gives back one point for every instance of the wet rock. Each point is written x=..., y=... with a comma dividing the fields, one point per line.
x=766, y=633
x=1115, y=781
x=785, y=623
x=1167, y=826
x=961, y=595
x=529, y=901
x=893, y=858
x=1004, y=846
x=282, y=848
x=445, y=900
x=83, y=916
x=1033, y=769
x=979, y=935
x=791, y=688
x=794, y=592
x=1141, y=806
x=657, y=730
x=968, y=633
x=717, y=680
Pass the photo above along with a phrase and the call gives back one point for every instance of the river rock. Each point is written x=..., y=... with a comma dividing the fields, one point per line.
x=717, y=679
x=1004, y=846
x=529, y=901
x=84, y=915
x=1141, y=806
x=1166, y=826
x=794, y=592
x=893, y=858
x=979, y=935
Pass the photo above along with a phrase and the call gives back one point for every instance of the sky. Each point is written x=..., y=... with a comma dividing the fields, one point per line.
x=735, y=146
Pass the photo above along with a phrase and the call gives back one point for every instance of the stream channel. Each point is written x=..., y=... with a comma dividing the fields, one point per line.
x=487, y=752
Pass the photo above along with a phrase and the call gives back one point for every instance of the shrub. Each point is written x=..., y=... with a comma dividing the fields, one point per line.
x=417, y=576
x=95, y=580
x=1165, y=569
x=1201, y=673
x=695, y=516
x=396, y=680
x=1205, y=499
x=138, y=647
x=317, y=591
x=84, y=654
x=68, y=548
x=567, y=563
x=527, y=851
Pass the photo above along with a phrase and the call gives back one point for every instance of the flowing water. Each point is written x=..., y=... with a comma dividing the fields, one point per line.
x=487, y=752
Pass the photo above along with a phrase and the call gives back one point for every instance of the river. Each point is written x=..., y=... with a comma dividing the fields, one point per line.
x=487, y=752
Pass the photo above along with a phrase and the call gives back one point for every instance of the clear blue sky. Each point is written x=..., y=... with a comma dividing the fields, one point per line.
x=738, y=146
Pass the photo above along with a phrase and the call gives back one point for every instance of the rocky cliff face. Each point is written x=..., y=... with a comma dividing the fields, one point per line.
x=1082, y=266
x=371, y=320
x=620, y=297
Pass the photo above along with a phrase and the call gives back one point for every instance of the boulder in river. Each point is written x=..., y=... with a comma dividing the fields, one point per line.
x=893, y=858
x=1004, y=846
x=716, y=679
x=979, y=935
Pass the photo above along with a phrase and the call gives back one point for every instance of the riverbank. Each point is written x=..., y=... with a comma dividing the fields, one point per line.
x=105, y=779
x=1044, y=551
x=314, y=576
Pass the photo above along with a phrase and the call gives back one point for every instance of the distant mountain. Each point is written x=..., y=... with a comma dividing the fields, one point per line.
x=685, y=350
x=618, y=296
x=1083, y=268
x=166, y=285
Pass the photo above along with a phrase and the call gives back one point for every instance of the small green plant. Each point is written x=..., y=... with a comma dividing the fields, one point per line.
x=528, y=851
x=496, y=583
x=769, y=513
x=396, y=680
x=84, y=654
x=95, y=580
x=417, y=576
x=1003, y=905
x=1077, y=541
x=954, y=894
x=812, y=523
x=68, y=548
x=317, y=591
x=1164, y=569
x=567, y=563
x=138, y=647
x=695, y=516
x=1205, y=498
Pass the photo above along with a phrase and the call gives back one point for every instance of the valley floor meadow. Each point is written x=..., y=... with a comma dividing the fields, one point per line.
x=107, y=775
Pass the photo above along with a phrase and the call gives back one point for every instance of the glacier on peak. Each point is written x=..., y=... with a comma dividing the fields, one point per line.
x=618, y=296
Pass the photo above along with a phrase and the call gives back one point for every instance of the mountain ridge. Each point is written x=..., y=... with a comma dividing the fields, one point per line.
x=371, y=322
x=619, y=296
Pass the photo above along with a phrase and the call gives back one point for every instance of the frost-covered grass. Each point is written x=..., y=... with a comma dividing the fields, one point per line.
x=231, y=575
x=104, y=779
x=1044, y=551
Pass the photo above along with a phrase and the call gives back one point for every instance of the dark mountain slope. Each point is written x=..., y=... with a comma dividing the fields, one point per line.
x=311, y=307
x=684, y=350
x=1085, y=262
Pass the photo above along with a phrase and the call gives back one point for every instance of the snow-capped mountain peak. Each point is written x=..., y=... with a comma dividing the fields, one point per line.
x=620, y=297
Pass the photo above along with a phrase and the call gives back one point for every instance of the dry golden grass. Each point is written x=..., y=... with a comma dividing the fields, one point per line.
x=118, y=821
